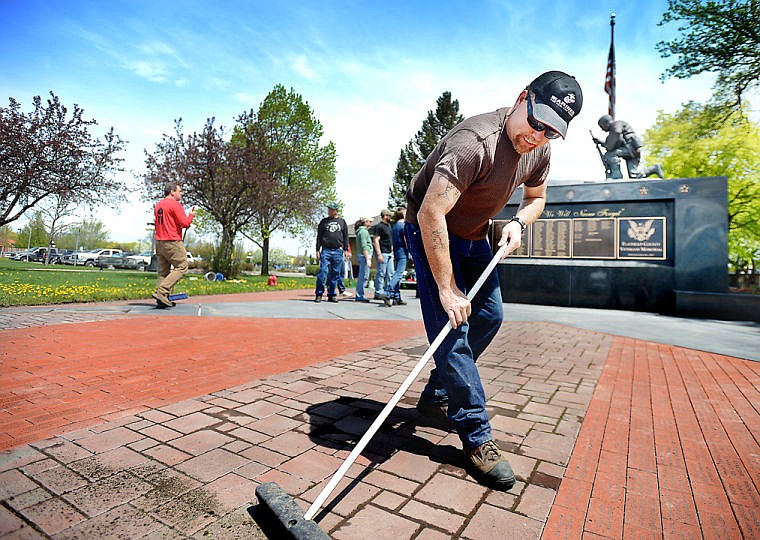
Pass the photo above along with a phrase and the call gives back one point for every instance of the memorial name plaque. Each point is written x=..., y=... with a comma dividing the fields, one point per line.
x=496, y=230
x=551, y=238
x=642, y=238
x=594, y=238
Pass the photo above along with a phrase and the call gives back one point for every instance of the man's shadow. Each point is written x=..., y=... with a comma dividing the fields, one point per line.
x=340, y=424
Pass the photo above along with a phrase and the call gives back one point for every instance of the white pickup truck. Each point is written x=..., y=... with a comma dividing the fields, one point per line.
x=89, y=258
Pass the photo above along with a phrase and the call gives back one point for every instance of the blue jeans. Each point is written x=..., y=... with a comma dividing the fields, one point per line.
x=399, y=259
x=384, y=275
x=330, y=267
x=342, y=272
x=362, y=277
x=455, y=378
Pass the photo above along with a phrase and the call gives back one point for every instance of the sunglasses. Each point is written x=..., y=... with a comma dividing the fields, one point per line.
x=535, y=125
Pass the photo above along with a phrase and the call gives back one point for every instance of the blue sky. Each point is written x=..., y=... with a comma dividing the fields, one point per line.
x=370, y=71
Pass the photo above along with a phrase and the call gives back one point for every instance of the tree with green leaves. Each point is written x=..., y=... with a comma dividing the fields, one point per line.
x=299, y=181
x=272, y=174
x=718, y=36
x=697, y=141
x=8, y=238
x=219, y=178
x=87, y=234
x=48, y=153
x=34, y=232
x=412, y=157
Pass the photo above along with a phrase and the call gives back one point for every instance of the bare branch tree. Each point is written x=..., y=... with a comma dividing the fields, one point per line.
x=46, y=153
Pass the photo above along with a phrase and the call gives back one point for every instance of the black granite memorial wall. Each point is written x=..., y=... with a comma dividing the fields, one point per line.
x=621, y=245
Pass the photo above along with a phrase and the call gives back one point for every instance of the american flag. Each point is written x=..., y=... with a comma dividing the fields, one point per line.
x=609, y=79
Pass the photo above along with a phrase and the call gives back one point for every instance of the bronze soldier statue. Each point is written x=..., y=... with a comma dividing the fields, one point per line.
x=622, y=142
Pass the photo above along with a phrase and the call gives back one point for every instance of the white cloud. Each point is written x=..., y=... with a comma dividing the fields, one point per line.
x=151, y=70
x=300, y=65
x=157, y=48
x=249, y=100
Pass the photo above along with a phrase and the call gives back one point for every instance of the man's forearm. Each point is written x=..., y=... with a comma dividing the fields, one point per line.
x=530, y=209
x=435, y=239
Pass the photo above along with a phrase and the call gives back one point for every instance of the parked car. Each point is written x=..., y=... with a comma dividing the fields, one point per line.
x=89, y=258
x=24, y=255
x=39, y=254
x=141, y=260
x=126, y=260
x=62, y=254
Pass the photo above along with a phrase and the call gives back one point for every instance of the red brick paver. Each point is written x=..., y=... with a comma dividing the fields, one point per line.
x=669, y=448
x=65, y=377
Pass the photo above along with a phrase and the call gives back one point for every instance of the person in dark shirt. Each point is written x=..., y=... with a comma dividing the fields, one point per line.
x=382, y=239
x=400, y=255
x=332, y=241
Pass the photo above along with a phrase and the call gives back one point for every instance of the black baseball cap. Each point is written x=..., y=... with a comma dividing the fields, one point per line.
x=557, y=99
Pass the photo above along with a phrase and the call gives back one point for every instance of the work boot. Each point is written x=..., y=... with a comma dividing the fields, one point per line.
x=318, y=298
x=399, y=302
x=162, y=300
x=437, y=414
x=387, y=301
x=332, y=299
x=489, y=467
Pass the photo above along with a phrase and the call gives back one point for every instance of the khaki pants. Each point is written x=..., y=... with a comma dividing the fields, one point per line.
x=170, y=253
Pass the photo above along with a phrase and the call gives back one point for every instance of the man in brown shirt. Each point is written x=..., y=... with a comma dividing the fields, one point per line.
x=466, y=180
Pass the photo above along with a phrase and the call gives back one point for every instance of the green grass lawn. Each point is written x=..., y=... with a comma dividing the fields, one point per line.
x=30, y=284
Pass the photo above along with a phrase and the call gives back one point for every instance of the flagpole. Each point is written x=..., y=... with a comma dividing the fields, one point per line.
x=609, y=83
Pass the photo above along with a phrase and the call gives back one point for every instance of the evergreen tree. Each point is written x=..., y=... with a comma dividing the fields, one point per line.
x=412, y=157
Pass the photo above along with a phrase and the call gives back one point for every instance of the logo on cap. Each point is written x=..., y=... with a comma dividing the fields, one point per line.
x=563, y=103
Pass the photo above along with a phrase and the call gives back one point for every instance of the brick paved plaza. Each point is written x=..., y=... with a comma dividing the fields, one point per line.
x=164, y=427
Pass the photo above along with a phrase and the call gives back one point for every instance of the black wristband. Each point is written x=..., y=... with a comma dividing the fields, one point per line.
x=522, y=223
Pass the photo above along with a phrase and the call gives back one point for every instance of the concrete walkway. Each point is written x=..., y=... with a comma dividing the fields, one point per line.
x=120, y=420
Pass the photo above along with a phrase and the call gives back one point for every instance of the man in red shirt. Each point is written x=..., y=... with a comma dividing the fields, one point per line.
x=170, y=219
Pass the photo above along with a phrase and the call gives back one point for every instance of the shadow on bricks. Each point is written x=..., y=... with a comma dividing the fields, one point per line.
x=340, y=423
